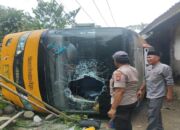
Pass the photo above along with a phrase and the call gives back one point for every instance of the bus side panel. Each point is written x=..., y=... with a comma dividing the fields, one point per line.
x=30, y=67
x=8, y=52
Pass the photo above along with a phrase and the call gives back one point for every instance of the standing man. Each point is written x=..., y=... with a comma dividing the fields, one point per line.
x=123, y=86
x=159, y=84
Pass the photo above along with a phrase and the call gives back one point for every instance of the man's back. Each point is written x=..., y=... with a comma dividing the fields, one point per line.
x=130, y=79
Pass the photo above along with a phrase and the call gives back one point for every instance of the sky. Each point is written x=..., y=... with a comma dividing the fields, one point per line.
x=124, y=12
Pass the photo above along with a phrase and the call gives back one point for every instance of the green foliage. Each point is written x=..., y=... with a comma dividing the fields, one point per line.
x=77, y=128
x=23, y=123
x=75, y=118
x=72, y=118
x=30, y=23
x=2, y=105
x=10, y=21
x=52, y=15
x=47, y=15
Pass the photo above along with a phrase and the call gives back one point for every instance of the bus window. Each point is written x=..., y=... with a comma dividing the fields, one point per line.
x=18, y=60
x=8, y=42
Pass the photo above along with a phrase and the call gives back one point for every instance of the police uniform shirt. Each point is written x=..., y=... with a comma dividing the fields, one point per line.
x=157, y=78
x=125, y=77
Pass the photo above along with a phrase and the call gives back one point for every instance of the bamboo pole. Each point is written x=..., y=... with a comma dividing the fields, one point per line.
x=12, y=91
x=37, y=99
x=11, y=119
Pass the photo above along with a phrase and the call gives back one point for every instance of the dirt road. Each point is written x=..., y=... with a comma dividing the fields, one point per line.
x=170, y=113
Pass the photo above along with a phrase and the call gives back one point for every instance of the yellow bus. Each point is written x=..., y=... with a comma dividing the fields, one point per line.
x=68, y=68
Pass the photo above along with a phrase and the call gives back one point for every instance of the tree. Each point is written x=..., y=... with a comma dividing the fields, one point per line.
x=10, y=21
x=47, y=15
x=52, y=15
x=30, y=23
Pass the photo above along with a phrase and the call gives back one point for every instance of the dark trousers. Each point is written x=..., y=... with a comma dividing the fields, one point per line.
x=154, y=114
x=122, y=119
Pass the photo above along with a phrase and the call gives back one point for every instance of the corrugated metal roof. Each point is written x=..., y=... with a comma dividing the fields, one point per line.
x=174, y=10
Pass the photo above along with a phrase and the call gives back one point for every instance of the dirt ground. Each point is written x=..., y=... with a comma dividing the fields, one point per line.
x=170, y=112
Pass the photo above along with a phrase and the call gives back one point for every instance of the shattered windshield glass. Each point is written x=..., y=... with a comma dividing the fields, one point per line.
x=75, y=66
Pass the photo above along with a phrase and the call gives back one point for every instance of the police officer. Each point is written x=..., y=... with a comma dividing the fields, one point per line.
x=159, y=84
x=123, y=88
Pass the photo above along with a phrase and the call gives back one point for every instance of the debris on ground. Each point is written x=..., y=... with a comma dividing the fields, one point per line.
x=90, y=128
x=90, y=123
x=28, y=114
x=49, y=117
x=10, y=109
x=11, y=120
x=1, y=112
x=37, y=119
x=4, y=118
x=30, y=120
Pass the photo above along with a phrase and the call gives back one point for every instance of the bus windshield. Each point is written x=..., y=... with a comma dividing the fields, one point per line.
x=75, y=65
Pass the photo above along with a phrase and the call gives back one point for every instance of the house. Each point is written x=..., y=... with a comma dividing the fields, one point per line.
x=164, y=35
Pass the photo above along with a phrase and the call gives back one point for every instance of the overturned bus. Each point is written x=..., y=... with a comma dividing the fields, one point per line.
x=69, y=68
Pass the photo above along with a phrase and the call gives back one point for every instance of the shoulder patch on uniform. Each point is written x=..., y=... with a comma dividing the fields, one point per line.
x=117, y=75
